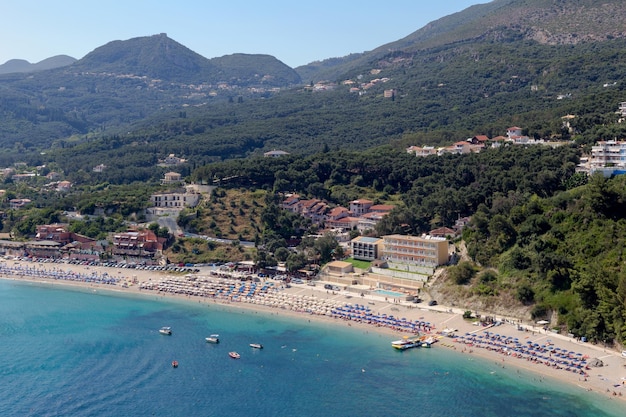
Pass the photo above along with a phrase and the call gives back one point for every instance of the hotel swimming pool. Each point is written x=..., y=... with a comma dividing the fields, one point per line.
x=387, y=293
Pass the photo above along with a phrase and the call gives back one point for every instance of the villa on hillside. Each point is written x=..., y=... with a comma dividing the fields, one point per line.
x=361, y=206
x=444, y=232
x=172, y=159
x=422, y=150
x=275, y=154
x=172, y=203
x=18, y=203
x=172, y=178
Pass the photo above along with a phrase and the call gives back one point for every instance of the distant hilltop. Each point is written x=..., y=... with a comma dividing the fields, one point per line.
x=21, y=65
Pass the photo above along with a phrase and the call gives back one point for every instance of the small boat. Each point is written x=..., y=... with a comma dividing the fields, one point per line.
x=407, y=342
x=174, y=364
x=165, y=330
x=256, y=345
x=214, y=338
x=234, y=355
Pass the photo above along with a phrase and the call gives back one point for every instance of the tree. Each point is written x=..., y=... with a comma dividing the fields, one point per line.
x=282, y=254
x=325, y=247
x=462, y=273
x=296, y=261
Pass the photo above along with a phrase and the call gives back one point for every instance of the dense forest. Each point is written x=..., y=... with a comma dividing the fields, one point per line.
x=441, y=95
x=563, y=254
x=434, y=190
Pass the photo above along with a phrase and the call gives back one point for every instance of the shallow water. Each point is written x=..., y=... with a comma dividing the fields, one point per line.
x=84, y=353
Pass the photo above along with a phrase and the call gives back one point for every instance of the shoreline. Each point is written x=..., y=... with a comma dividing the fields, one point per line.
x=606, y=381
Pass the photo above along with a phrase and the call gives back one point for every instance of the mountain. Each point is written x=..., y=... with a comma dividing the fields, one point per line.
x=547, y=22
x=21, y=65
x=479, y=71
x=126, y=81
x=159, y=57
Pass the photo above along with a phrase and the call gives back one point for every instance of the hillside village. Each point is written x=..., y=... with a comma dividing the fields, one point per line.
x=401, y=261
x=409, y=267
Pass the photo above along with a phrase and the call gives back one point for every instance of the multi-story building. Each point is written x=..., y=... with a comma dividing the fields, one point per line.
x=415, y=250
x=66, y=244
x=366, y=248
x=136, y=243
x=360, y=207
x=56, y=232
x=177, y=200
x=368, y=221
x=608, y=157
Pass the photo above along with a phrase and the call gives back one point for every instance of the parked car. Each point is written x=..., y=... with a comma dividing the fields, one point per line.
x=432, y=303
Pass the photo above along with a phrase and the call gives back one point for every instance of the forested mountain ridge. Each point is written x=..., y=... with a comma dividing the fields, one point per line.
x=548, y=22
x=461, y=85
x=122, y=82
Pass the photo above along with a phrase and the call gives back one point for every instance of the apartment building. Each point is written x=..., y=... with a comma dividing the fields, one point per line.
x=177, y=200
x=422, y=250
x=366, y=248
x=608, y=157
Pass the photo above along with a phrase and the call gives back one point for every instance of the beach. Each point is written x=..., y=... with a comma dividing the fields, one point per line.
x=511, y=345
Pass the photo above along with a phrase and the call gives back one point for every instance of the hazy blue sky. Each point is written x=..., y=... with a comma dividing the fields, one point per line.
x=293, y=31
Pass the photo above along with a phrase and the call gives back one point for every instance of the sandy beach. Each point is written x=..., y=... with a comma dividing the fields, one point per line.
x=511, y=345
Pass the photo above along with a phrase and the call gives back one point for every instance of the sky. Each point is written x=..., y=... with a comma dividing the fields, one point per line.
x=295, y=32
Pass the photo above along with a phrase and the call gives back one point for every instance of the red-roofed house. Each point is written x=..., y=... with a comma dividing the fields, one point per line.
x=64, y=186
x=313, y=209
x=291, y=203
x=345, y=223
x=443, y=232
x=514, y=131
x=337, y=213
x=56, y=232
x=381, y=208
x=480, y=139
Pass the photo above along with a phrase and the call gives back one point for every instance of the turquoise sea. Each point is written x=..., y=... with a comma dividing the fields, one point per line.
x=76, y=352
